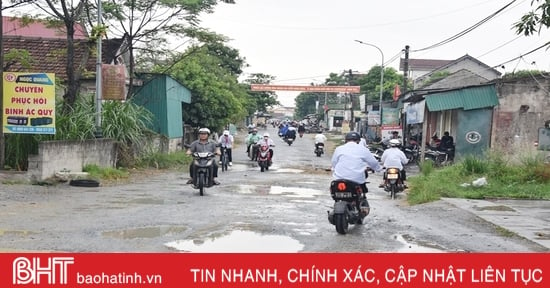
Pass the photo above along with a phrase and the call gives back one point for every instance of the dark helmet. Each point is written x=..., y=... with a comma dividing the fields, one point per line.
x=353, y=136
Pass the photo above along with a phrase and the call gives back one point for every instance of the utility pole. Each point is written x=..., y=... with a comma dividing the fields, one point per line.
x=405, y=69
x=352, y=120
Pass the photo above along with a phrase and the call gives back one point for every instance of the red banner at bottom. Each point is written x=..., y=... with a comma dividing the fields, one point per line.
x=275, y=270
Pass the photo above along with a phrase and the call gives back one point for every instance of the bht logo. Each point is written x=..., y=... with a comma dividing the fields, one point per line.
x=30, y=271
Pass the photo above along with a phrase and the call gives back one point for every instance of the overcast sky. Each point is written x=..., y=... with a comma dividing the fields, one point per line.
x=302, y=41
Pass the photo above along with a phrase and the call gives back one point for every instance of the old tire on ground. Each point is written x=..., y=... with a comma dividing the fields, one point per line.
x=84, y=183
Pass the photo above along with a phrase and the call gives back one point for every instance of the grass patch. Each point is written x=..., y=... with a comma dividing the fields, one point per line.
x=528, y=178
x=105, y=173
x=176, y=160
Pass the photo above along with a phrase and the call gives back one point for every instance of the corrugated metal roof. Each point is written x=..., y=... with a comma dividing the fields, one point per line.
x=468, y=98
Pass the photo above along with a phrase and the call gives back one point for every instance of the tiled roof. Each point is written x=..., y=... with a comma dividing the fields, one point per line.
x=13, y=26
x=48, y=48
x=48, y=55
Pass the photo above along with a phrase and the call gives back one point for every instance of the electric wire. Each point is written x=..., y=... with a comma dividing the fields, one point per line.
x=466, y=31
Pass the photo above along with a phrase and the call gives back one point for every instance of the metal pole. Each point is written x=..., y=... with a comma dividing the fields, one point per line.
x=381, y=75
x=98, y=86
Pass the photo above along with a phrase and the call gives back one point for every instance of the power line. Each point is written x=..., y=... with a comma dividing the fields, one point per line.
x=466, y=31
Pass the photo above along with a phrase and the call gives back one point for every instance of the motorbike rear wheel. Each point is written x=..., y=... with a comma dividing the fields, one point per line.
x=202, y=183
x=224, y=162
x=341, y=223
x=393, y=191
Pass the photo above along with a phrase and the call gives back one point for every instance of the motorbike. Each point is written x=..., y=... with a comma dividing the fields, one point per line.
x=264, y=158
x=350, y=205
x=203, y=175
x=440, y=158
x=319, y=149
x=253, y=152
x=393, y=182
x=289, y=140
x=412, y=152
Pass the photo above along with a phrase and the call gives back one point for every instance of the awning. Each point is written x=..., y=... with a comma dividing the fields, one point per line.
x=469, y=98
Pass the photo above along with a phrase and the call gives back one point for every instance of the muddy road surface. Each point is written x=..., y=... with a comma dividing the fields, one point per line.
x=281, y=210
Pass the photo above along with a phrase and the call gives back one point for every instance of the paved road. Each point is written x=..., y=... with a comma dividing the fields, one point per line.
x=285, y=207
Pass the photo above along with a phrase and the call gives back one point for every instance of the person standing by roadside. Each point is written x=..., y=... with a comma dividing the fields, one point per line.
x=226, y=141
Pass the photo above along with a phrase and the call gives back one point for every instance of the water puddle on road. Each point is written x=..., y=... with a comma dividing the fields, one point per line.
x=293, y=192
x=414, y=248
x=143, y=232
x=239, y=242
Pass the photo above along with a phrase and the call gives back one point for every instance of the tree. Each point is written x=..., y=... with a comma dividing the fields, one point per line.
x=260, y=101
x=216, y=96
x=370, y=83
x=3, y=6
x=147, y=23
x=68, y=14
x=535, y=20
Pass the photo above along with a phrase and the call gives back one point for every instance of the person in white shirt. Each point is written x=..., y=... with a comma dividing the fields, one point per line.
x=226, y=141
x=320, y=140
x=393, y=157
x=267, y=141
x=350, y=161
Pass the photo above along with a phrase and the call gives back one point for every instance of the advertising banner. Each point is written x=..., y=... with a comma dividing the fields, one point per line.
x=29, y=103
x=483, y=270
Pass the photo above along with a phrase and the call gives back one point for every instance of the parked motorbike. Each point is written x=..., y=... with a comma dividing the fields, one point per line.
x=440, y=158
x=264, y=158
x=393, y=182
x=319, y=149
x=203, y=175
x=350, y=205
x=412, y=152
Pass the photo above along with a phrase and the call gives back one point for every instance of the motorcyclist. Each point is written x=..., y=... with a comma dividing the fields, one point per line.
x=290, y=133
x=393, y=157
x=251, y=139
x=320, y=139
x=350, y=160
x=301, y=129
x=267, y=141
x=226, y=141
x=203, y=145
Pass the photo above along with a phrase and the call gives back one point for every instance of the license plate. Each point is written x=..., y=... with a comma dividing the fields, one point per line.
x=343, y=195
x=393, y=176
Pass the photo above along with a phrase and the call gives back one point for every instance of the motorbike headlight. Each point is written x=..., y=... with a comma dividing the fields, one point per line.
x=209, y=162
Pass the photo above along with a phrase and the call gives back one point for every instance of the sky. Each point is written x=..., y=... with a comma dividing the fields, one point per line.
x=303, y=41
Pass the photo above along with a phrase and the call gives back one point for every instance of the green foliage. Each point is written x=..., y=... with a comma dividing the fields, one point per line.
x=534, y=21
x=125, y=122
x=426, y=167
x=217, y=97
x=18, y=149
x=107, y=173
x=436, y=76
x=260, y=100
x=18, y=56
x=527, y=179
x=522, y=74
x=472, y=166
x=164, y=161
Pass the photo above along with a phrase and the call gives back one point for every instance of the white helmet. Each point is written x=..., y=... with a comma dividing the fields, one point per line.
x=226, y=132
x=395, y=142
x=266, y=134
x=204, y=130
